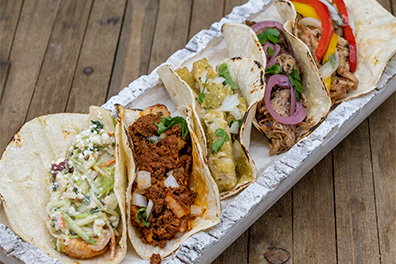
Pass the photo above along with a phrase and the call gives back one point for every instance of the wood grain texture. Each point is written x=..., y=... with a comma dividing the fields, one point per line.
x=171, y=31
x=93, y=72
x=9, y=15
x=28, y=49
x=205, y=13
x=237, y=253
x=273, y=231
x=314, y=238
x=230, y=4
x=357, y=238
x=134, y=45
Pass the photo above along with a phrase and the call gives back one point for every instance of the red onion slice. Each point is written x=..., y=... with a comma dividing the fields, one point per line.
x=271, y=59
x=297, y=115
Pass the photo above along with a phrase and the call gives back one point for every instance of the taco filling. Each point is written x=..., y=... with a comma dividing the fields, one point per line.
x=162, y=204
x=223, y=109
x=83, y=210
x=281, y=114
x=328, y=31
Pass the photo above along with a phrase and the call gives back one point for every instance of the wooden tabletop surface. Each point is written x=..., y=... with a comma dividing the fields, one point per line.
x=64, y=55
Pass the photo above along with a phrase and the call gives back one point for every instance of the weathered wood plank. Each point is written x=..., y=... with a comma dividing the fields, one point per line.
x=9, y=16
x=383, y=142
x=134, y=48
x=313, y=216
x=93, y=72
x=205, y=13
x=171, y=30
x=28, y=49
x=232, y=254
x=230, y=4
x=357, y=238
x=60, y=61
x=271, y=237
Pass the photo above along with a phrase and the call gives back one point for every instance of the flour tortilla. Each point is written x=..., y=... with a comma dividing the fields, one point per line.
x=24, y=168
x=248, y=76
x=201, y=180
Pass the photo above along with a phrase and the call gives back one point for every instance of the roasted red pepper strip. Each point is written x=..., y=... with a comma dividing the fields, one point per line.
x=327, y=25
x=348, y=34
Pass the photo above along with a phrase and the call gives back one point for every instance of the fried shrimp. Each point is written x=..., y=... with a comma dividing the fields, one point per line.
x=79, y=248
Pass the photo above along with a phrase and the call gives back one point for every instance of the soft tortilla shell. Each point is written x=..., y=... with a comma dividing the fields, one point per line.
x=23, y=177
x=201, y=180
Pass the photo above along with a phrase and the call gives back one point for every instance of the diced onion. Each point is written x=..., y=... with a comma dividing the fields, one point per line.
x=149, y=208
x=143, y=180
x=139, y=200
x=351, y=21
x=230, y=103
x=155, y=138
x=234, y=129
x=219, y=80
x=195, y=210
x=171, y=182
x=203, y=77
x=313, y=22
x=235, y=112
x=327, y=69
x=334, y=13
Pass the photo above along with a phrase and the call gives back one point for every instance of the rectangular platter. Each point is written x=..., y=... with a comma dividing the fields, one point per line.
x=276, y=174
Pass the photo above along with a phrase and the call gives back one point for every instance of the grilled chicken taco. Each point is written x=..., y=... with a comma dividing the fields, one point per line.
x=170, y=194
x=63, y=187
x=224, y=103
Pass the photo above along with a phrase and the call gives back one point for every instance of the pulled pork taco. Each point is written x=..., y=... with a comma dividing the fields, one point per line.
x=224, y=102
x=170, y=194
x=295, y=99
x=63, y=187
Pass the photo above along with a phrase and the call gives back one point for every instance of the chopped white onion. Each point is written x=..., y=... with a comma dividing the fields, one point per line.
x=195, y=210
x=143, y=180
x=351, y=21
x=139, y=200
x=327, y=69
x=218, y=80
x=230, y=103
x=149, y=208
x=171, y=182
x=163, y=135
x=203, y=77
x=234, y=129
x=155, y=138
x=334, y=13
x=235, y=112
x=313, y=22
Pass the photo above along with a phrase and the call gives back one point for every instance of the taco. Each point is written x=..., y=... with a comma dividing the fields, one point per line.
x=295, y=99
x=63, y=187
x=224, y=103
x=170, y=194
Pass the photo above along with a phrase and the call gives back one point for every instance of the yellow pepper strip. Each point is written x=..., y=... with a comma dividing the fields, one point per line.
x=305, y=10
x=328, y=83
x=332, y=47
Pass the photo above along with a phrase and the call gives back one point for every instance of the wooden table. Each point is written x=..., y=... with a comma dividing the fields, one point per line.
x=64, y=55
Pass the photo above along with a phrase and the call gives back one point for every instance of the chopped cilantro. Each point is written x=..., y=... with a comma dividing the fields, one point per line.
x=295, y=81
x=332, y=61
x=168, y=122
x=335, y=22
x=75, y=189
x=113, y=144
x=55, y=186
x=271, y=34
x=270, y=51
x=96, y=126
x=151, y=141
x=274, y=69
x=223, y=72
x=223, y=138
x=201, y=96
x=143, y=215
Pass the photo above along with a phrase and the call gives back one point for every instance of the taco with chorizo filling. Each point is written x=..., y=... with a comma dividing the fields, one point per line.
x=295, y=99
x=170, y=194
x=63, y=187
x=224, y=102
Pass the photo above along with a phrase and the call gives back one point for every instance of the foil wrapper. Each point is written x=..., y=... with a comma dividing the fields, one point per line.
x=276, y=174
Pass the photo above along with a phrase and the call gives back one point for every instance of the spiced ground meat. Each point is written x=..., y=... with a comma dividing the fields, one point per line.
x=170, y=155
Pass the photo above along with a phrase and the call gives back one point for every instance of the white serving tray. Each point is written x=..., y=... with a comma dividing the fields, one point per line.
x=276, y=174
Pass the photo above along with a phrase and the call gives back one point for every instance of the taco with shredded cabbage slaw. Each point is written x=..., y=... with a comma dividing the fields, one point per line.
x=224, y=101
x=170, y=194
x=295, y=99
x=62, y=183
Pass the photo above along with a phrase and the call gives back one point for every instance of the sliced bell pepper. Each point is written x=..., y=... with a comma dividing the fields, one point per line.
x=305, y=10
x=348, y=34
x=328, y=83
x=327, y=25
x=332, y=47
